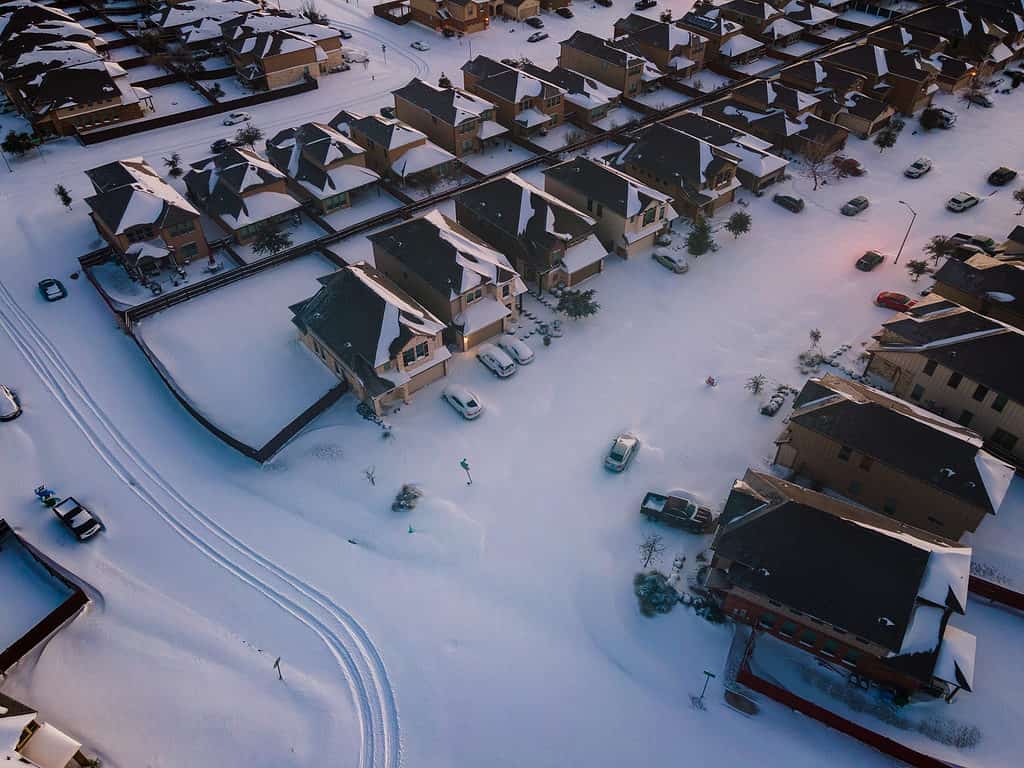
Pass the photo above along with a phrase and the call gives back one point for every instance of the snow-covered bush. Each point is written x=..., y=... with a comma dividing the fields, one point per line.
x=654, y=592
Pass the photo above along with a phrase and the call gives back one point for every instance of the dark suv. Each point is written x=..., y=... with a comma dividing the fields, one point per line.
x=1001, y=176
x=535, y=21
x=789, y=202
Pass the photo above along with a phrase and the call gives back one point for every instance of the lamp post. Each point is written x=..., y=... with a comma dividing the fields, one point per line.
x=911, y=224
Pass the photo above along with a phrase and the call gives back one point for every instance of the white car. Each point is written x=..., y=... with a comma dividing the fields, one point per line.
x=419, y=45
x=234, y=118
x=674, y=261
x=355, y=56
x=464, y=401
x=624, y=449
x=9, y=407
x=961, y=202
x=497, y=361
x=918, y=168
x=516, y=349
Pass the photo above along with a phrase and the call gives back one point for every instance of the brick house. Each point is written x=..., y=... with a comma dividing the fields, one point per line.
x=726, y=42
x=668, y=47
x=26, y=26
x=457, y=15
x=43, y=58
x=807, y=135
x=282, y=57
x=454, y=119
x=524, y=104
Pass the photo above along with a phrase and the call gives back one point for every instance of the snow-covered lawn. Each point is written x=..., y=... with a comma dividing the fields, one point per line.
x=799, y=48
x=31, y=593
x=231, y=86
x=602, y=149
x=753, y=67
x=305, y=231
x=126, y=52
x=559, y=136
x=125, y=292
x=235, y=354
x=148, y=72
x=861, y=18
x=618, y=116
x=418, y=191
x=706, y=81
x=998, y=554
x=662, y=98
x=368, y=204
x=176, y=97
x=494, y=159
x=835, y=33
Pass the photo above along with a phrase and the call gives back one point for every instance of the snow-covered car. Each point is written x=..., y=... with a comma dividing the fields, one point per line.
x=10, y=408
x=565, y=13
x=855, y=206
x=344, y=34
x=234, y=118
x=869, y=261
x=918, y=168
x=355, y=56
x=77, y=519
x=464, y=401
x=892, y=300
x=604, y=3
x=419, y=45
x=961, y=202
x=622, y=452
x=1001, y=176
x=496, y=361
x=674, y=261
x=789, y=202
x=52, y=289
x=516, y=349
x=536, y=37
x=643, y=5
x=980, y=99
x=535, y=21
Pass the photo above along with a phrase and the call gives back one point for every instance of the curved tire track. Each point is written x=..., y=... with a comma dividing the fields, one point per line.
x=349, y=644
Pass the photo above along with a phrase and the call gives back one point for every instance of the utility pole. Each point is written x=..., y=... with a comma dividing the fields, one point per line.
x=911, y=224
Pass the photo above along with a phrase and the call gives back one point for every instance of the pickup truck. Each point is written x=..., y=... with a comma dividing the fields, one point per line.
x=678, y=511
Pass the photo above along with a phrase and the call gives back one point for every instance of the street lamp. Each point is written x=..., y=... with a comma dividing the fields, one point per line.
x=912, y=217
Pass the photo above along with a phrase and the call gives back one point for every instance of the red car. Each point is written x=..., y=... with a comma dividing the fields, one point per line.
x=898, y=301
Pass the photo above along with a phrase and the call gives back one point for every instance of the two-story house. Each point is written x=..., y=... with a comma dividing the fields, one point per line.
x=323, y=166
x=630, y=215
x=987, y=285
x=700, y=177
x=898, y=77
x=547, y=241
x=668, y=47
x=281, y=57
x=864, y=593
x=726, y=41
x=147, y=222
x=470, y=286
x=524, y=104
x=766, y=95
x=761, y=21
x=893, y=457
x=596, y=57
x=457, y=15
x=242, y=192
x=587, y=101
x=897, y=37
x=807, y=135
x=813, y=18
x=43, y=58
x=970, y=36
x=817, y=78
x=395, y=149
x=959, y=364
x=373, y=335
x=454, y=119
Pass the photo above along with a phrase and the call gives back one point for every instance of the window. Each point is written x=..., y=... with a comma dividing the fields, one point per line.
x=767, y=620
x=855, y=487
x=422, y=350
x=979, y=393
x=999, y=403
x=917, y=392
x=473, y=296
x=866, y=462
x=851, y=655
x=505, y=290
x=1004, y=439
x=188, y=250
x=409, y=357
x=929, y=368
x=965, y=418
x=181, y=229
x=954, y=380
x=788, y=628
x=844, y=453
x=830, y=648
x=807, y=637
x=649, y=215
x=889, y=507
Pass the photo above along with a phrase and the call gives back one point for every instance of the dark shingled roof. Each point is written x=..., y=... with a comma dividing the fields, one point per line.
x=876, y=62
x=704, y=128
x=601, y=48
x=666, y=152
x=757, y=10
x=70, y=86
x=633, y=23
x=823, y=76
x=999, y=278
x=443, y=103
x=602, y=183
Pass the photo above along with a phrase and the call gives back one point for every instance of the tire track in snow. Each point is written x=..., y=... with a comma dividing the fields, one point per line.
x=349, y=644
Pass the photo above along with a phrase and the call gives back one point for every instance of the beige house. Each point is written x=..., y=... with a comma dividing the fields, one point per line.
x=669, y=47
x=519, y=10
x=985, y=284
x=282, y=57
x=629, y=214
x=457, y=15
x=893, y=457
x=596, y=57
x=524, y=104
x=470, y=286
x=374, y=336
x=395, y=149
x=454, y=119
x=959, y=364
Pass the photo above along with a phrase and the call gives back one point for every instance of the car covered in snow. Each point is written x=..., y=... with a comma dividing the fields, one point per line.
x=10, y=408
x=1001, y=176
x=344, y=34
x=52, y=289
x=355, y=56
x=643, y=5
x=789, y=202
x=892, y=300
x=565, y=13
x=869, y=261
x=464, y=401
x=516, y=349
x=972, y=244
x=77, y=519
x=419, y=45
x=495, y=360
x=855, y=206
x=674, y=261
x=961, y=202
x=234, y=118
x=536, y=37
x=623, y=450
x=918, y=168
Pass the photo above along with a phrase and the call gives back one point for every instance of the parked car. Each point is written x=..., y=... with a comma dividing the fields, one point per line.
x=388, y=112
x=344, y=34
x=495, y=360
x=419, y=45
x=536, y=37
x=355, y=55
x=535, y=21
x=604, y=3
x=221, y=145
x=643, y=5
x=622, y=452
x=980, y=242
x=892, y=300
x=464, y=401
x=918, y=168
x=234, y=118
x=789, y=202
x=10, y=408
x=1001, y=176
x=77, y=519
x=678, y=511
x=855, y=206
x=980, y=99
x=869, y=261
x=518, y=350
x=52, y=289
x=674, y=261
x=565, y=13
x=961, y=202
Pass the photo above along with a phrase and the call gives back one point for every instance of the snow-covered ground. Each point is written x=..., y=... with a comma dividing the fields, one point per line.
x=502, y=629
x=706, y=81
x=125, y=292
x=302, y=233
x=662, y=98
x=368, y=203
x=496, y=158
x=31, y=594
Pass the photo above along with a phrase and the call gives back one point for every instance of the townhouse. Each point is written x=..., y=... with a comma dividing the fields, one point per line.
x=585, y=100
x=596, y=57
x=394, y=149
x=524, y=104
x=898, y=77
x=454, y=119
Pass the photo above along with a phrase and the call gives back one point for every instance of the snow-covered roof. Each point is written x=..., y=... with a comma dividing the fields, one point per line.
x=421, y=158
x=49, y=747
x=259, y=207
x=737, y=45
x=955, y=662
x=532, y=117
x=782, y=28
x=143, y=199
x=480, y=314
x=583, y=254
x=342, y=178
x=489, y=129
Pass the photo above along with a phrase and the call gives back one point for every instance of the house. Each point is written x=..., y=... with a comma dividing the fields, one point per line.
x=766, y=95
x=1013, y=247
x=858, y=113
x=818, y=78
x=862, y=592
x=374, y=336
x=761, y=21
x=758, y=168
x=43, y=58
x=25, y=26
x=811, y=17
x=806, y=135
x=700, y=177
x=1007, y=16
x=457, y=15
x=970, y=36
x=897, y=77
x=893, y=457
x=959, y=364
x=668, y=47
x=27, y=741
x=454, y=119
x=630, y=215
x=952, y=74
x=524, y=104
x=146, y=221
x=242, y=192
x=547, y=241
x=323, y=166
x=394, y=149
x=604, y=61
x=468, y=285
x=634, y=22
x=280, y=57
x=896, y=37
x=986, y=285
x=519, y=10
x=726, y=42
x=586, y=101
x=181, y=19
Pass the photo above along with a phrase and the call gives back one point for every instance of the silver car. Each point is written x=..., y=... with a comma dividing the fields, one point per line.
x=622, y=452
x=918, y=168
x=855, y=206
x=496, y=361
x=675, y=262
x=516, y=349
x=9, y=406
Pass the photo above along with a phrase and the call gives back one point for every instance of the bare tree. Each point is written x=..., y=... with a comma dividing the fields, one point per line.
x=815, y=336
x=651, y=550
x=756, y=383
x=370, y=473
x=818, y=167
x=311, y=11
x=916, y=268
x=248, y=134
x=270, y=241
x=1018, y=197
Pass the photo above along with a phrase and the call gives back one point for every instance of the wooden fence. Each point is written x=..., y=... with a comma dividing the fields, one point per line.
x=996, y=592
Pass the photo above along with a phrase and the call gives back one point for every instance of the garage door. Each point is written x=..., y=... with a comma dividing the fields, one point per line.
x=483, y=334
x=420, y=380
x=582, y=274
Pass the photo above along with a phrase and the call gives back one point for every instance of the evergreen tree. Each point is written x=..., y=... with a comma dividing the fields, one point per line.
x=738, y=224
x=16, y=143
x=699, y=239
x=886, y=138
x=916, y=268
x=932, y=118
x=270, y=241
x=577, y=304
x=63, y=195
x=248, y=134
